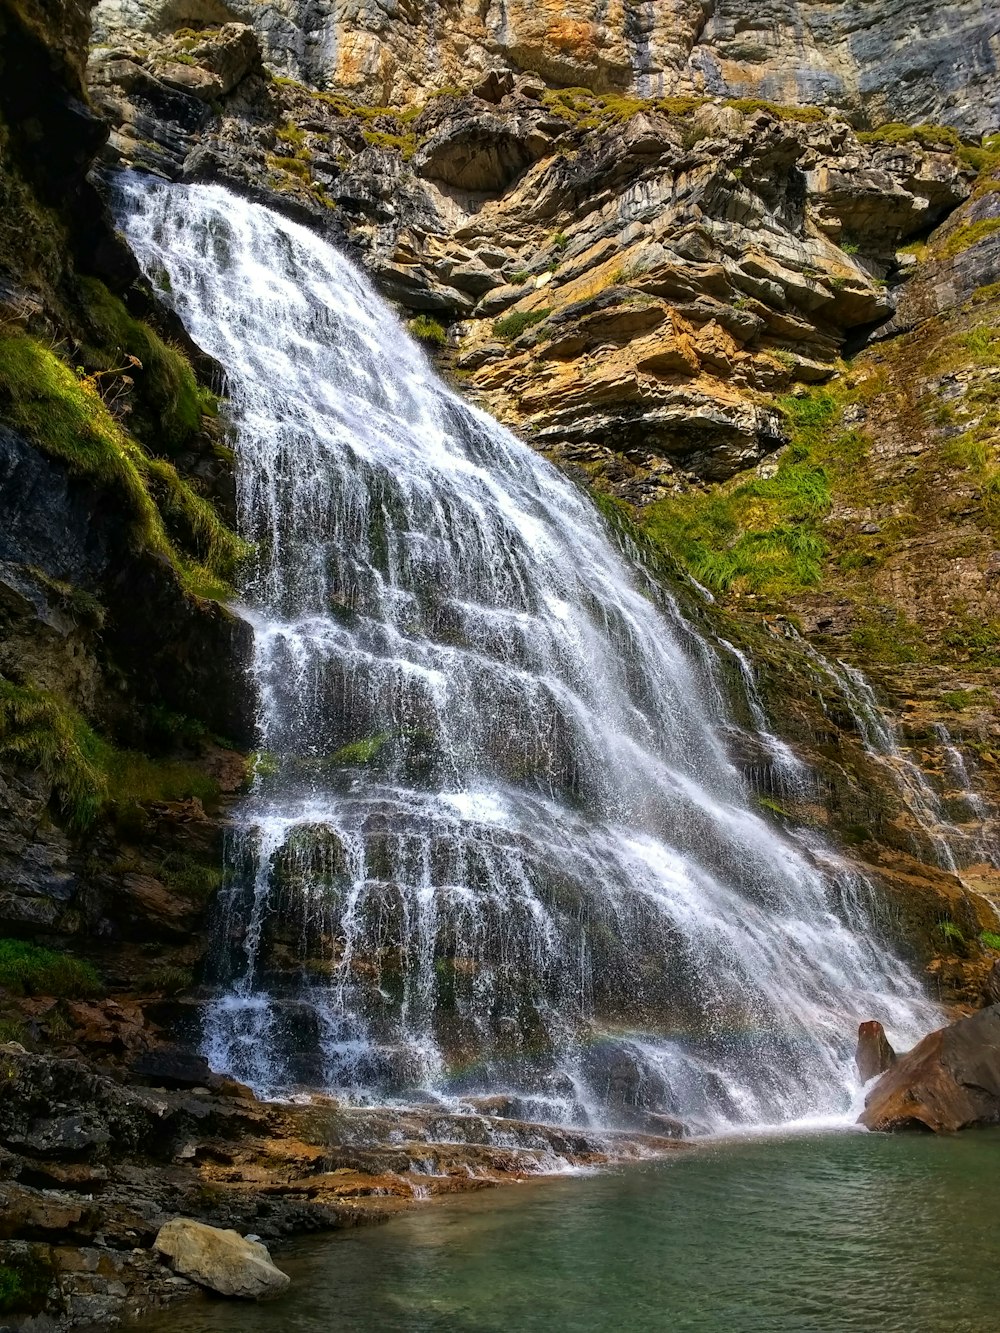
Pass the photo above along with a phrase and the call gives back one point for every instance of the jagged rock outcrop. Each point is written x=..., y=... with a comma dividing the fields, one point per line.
x=892, y=60
x=949, y=1081
x=634, y=283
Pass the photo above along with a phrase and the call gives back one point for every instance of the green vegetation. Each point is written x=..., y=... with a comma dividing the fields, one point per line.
x=511, y=326
x=26, y=969
x=404, y=144
x=590, y=110
x=990, y=938
x=428, y=330
x=191, y=878
x=166, y=980
x=951, y=932
x=957, y=700
x=361, y=752
x=87, y=772
x=964, y=237
x=887, y=637
x=24, y=1284
x=806, y=114
x=67, y=417
x=38, y=731
x=290, y=133
x=926, y=136
x=168, y=403
x=763, y=535
x=973, y=639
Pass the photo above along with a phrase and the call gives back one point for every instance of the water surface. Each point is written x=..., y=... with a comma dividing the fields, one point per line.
x=825, y=1234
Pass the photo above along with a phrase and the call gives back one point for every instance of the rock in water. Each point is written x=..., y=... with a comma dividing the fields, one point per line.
x=220, y=1260
x=949, y=1081
x=874, y=1054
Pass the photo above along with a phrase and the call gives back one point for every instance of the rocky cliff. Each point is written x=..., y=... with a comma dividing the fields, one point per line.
x=894, y=60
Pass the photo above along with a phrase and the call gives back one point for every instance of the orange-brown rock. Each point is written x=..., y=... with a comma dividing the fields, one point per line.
x=874, y=1054
x=949, y=1081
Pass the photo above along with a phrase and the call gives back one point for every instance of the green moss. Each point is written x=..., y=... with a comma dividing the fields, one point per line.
x=169, y=404
x=973, y=639
x=806, y=114
x=190, y=877
x=964, y=237
x=428, y=330
x=195, y=523
x=290, y=133
x=361, y=752
x=38, y=731
x=951, y=932
x=294, y=166
x=511, y=326
x=957, y=700
x=87, y=773
x=990, y=939
x=166, y=980
x=66, y=417
x=888, y=638
x=26, y=969
x=12, y=1029
x=405, y=144
x=939, y=137
x=24, y=1282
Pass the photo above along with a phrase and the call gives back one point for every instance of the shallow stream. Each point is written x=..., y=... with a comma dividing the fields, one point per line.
x=813, y=1234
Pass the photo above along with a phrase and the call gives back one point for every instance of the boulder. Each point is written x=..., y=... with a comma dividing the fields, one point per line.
x=874, y=1054
x=223, y=1261
x=949, y=1081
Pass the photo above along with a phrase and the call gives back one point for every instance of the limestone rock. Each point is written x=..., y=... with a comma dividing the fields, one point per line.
x=910, y=60
x=874, y=1054
x=949, y=1081
x=220, y=1260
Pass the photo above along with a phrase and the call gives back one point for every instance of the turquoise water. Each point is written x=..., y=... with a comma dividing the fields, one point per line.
x=824, y=1234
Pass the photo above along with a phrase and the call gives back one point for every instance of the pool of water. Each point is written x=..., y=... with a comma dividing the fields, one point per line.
x=827, y=1233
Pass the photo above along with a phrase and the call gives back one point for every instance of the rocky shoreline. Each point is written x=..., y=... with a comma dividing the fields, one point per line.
x=93, y=1162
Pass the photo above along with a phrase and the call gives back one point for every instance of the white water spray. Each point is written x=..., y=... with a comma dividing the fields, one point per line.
x=497, y=843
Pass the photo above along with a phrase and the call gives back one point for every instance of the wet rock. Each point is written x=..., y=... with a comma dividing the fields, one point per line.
x=223, y=1261
x=874, y=1054
x=949, y=1081
x=173, y=1067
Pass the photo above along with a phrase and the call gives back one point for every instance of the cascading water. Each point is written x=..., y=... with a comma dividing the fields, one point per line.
x=495, y=842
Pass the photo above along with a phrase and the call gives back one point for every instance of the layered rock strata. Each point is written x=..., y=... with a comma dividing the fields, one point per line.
x=893, y=60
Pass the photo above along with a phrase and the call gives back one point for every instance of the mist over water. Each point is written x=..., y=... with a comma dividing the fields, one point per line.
x=496, y=842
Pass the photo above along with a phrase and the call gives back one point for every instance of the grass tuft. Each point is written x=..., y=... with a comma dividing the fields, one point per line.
x=26, y=969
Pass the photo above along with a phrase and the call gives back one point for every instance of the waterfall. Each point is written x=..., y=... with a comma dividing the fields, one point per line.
x=495, y=842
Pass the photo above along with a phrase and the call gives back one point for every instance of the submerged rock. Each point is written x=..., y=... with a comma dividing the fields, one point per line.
x=949, y=1081
x=874, y=1054
x=223, y=1261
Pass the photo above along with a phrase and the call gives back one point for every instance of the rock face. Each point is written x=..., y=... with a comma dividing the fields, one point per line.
x=949, y=1081
x=908, y=60
x=633, y=282
x=874, y=1054
x=220, y=1260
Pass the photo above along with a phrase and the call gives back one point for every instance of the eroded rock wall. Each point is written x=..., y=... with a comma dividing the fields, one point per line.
x=892, y=60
